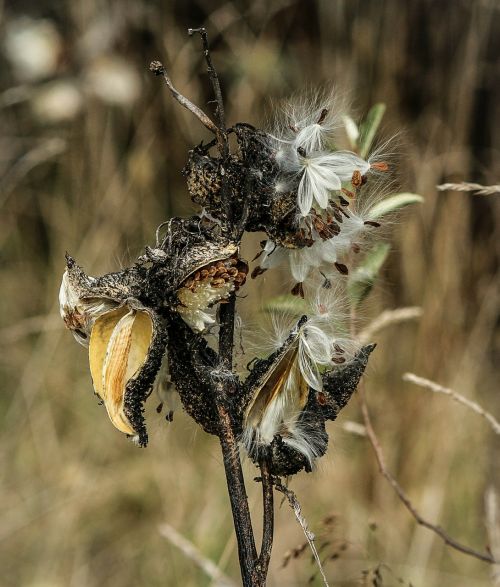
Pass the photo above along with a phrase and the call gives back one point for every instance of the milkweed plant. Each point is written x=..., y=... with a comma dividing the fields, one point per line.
x=313, y=185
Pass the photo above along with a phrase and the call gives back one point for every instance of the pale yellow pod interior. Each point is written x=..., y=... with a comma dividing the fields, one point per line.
x=118, y=348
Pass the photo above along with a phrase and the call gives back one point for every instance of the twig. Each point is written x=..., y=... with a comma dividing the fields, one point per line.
x=193, y=553
x=481, y=190
x=295, y=505
x=268, y=519
x=214, y=78
x=486, y=557
x=158, y=69
x=436, y=388
x=387, y=318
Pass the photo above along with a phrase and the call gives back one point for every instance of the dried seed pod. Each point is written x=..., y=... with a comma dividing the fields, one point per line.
x=209, y=264
x=279, y=392
x=125, y=352
x=82, y=299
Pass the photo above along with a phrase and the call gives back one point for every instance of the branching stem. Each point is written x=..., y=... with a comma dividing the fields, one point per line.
x=379, y=455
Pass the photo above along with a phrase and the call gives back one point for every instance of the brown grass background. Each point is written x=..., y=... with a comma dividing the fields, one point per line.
x=80, y=506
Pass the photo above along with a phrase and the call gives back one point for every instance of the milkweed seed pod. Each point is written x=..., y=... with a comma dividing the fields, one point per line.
x=126, y=340
x=125, y=352
x=207, y=275
x=82, y=298
x=285, y=417
x=211, y=181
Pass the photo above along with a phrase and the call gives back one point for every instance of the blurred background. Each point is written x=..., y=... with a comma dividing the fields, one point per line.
x=91, y=150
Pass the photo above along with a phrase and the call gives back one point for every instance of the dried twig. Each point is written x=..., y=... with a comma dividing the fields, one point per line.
x=387, y=318
x=297, y=510
x=189, y=549
x=379, y=455
x=158, y=69
x=436, y=388
x=214, y=78
x=480, y=190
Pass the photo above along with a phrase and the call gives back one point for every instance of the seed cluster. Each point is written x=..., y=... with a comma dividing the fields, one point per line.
x=207, y=286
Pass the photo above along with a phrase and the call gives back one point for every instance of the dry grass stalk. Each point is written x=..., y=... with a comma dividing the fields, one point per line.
x=478, y=189
x=379, y=455
x=387, y=318
x=436, y=388
x=219, y=578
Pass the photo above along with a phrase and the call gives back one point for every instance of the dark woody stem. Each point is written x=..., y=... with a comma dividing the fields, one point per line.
x=230, y=451
x=214, y=80
x=268, y=518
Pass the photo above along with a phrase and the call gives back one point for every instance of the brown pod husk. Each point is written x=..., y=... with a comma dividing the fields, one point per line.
x=83, y=298
x=338, y=386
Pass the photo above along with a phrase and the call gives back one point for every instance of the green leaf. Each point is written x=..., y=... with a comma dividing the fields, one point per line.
x=362, y=279
x=351, y=130
x=288, y=304
x=393, y=203
x=369, y=128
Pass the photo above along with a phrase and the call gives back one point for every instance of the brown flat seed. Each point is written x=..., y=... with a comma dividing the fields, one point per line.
x=347, y=193
x=232, y=271
x=196, y=276
x=188, y=283
x=322, y=116
x=382, y=166
x=343, y=201
x=321, y=398
x=204, y=273
x=217, y=282
x=241, y=277
x=357, y=179
x=338, y=360
x=298, y=290
x=220, y=271
x=225, y=276
x=255, y=273
x=372, y=223
x=212, y=270
x=338, y=348
x=233, y=261
x=341, y=268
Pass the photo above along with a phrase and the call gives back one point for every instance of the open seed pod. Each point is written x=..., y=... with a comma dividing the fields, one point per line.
x=125, y=352
x=211, y=272
x=285, y=419
x=82, y=298
x=279, y=394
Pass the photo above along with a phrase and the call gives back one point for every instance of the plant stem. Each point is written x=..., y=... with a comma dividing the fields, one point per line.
x=268, y=519
x=234, y=475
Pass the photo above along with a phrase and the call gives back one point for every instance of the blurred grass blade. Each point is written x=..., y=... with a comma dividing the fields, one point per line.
x=394, y=203
x=369, y=128
x=352, y=131
x=286, y=303
x=363, y=278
